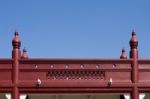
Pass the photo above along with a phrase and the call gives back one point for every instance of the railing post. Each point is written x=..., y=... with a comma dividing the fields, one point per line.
x=15, y=66
x=135, y=73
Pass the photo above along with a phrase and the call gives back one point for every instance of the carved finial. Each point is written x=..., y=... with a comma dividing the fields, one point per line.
x=133, y=46
x=133, y=41
x=16, y=33
x=123, y=55
x=133, y=32
x=24, y=55
x=16, y=41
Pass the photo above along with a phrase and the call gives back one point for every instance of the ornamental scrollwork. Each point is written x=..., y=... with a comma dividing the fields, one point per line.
x=75, y=74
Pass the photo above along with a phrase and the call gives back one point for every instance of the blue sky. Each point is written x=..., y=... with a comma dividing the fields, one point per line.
x=75, y=28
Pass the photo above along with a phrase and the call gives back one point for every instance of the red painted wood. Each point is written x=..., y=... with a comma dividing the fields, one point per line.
x=15, y=65
x=22, y=74
x=135, y=93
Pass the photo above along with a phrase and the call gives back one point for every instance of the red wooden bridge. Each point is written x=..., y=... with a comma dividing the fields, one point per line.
x=23, y=75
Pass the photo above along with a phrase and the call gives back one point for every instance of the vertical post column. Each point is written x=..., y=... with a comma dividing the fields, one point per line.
x=135, y=93
x=15, y=66
x=134, y=74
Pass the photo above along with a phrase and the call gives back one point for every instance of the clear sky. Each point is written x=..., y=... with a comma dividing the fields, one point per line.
x=75, y=28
